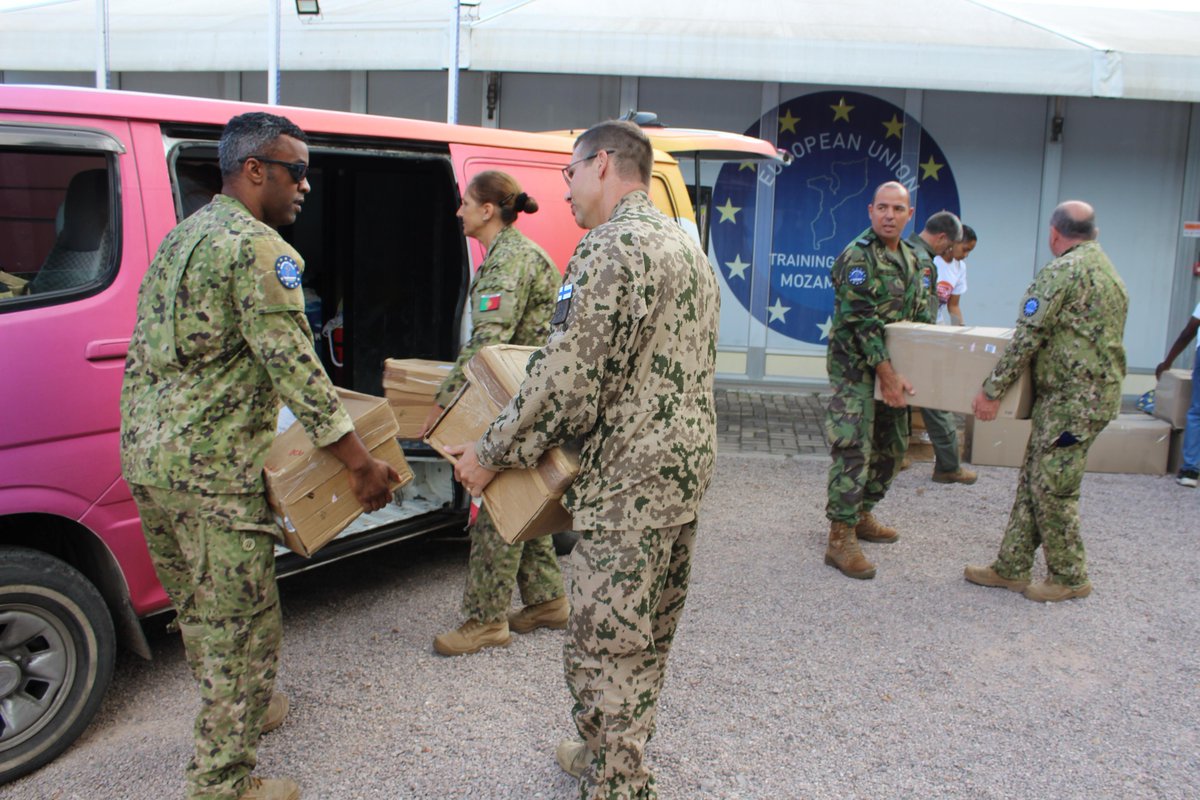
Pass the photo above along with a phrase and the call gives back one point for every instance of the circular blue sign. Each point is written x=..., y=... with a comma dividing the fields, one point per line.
x=843, y=145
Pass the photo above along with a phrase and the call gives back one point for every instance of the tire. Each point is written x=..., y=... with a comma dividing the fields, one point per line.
x=56, y=658
x=564, y=542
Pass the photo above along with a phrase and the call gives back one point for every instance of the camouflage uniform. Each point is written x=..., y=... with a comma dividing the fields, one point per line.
x=220, y=339
x=867, y=439
x=628, y=367
x=1071, y=328
x=512, y=298
x=941, y=425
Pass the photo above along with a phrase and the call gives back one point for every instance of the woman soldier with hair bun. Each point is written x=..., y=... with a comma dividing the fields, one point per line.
x=512, y=299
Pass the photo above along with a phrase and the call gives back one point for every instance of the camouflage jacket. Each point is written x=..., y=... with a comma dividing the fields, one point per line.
x=629, y=369
x=220, y=340
x=929, y=277
x=872, y=286
x=1071, y=328
x=512, y=298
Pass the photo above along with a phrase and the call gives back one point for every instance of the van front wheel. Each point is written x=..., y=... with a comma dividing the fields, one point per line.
x=56, y=657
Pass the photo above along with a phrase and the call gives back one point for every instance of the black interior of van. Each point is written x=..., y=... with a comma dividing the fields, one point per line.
x=385, y=259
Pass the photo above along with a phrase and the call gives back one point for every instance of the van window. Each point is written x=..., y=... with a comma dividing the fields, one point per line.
x=58, y=225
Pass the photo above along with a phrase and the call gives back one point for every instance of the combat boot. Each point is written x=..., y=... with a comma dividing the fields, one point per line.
x=845, y=554
x=870, y=529
x=1050, y=592
x=277, y=710
x=572, y=756
x=472, y=636
x=960, y=475
x=986, y=576
x=270, y=789
x=550, y=614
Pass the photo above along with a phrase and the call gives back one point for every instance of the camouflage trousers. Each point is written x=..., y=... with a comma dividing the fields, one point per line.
x=215, y=556
x=494, y=566
x=942, y=427
x=1046, y=509
x=627, y=594
x=867, y=440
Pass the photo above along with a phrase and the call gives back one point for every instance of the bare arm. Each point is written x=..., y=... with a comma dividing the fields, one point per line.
x=1183, y=340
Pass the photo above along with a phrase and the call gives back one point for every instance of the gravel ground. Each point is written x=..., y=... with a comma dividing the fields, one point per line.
x=787, y=679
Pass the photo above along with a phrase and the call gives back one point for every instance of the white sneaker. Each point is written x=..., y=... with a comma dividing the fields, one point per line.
x=1187, y=477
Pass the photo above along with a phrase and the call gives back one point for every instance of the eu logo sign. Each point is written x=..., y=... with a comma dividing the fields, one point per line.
x=843, y=145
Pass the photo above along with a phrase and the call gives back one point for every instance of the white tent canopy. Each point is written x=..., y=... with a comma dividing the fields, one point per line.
x=1138, y=49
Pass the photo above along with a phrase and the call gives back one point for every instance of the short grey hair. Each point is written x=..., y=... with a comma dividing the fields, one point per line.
x=944, y=222
x=629, y=146
x=252, y=134
x=1084, y=228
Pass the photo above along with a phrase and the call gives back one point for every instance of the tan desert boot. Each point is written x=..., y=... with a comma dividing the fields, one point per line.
x=960, y=475
x=870, y=529
x=986, y=576
x=845, y=554
x=550, y=614
x=271, y=789
x=572, y=756
x=277, y=711
x=1050, y=592
x=472, y=636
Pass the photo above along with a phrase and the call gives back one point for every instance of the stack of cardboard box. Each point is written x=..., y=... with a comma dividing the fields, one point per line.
x=1132, y=443
x=523, y=503
x=409, y=384
x=1172, y=397
x=309, y=488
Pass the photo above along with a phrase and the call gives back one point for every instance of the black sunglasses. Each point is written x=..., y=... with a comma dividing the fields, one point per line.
x=297, y=169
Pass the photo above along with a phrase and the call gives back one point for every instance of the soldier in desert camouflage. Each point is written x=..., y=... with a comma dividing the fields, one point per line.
x=220, y=340
x=876, y=280
x=629, y=368
x=1070, y=330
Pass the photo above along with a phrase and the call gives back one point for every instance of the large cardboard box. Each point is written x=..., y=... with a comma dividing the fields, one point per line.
x=946, y=364
x=1132, y=443
x=523, y=503
x=409, y=384
x=309, y=488
x=1173, y=397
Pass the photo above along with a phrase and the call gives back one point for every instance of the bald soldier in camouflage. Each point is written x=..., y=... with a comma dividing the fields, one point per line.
x=220, y=340
x=512, y=297
x=628, y=367
x=1070, y=330
x=876, y=280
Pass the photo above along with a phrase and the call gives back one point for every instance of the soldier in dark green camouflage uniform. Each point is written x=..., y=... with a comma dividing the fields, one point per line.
x=628, y=367
x=876, y=280
x=942, y=231
x=512, y=298
x=1070, y=330
x=220, y=340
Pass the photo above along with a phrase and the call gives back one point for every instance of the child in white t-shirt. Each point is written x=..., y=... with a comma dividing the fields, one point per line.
x=952, y=279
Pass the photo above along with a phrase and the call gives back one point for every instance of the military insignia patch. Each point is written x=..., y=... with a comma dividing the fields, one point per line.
x=1031, y=306
x=288, y=272
x=857, y=276
x=925, y=280
x=489, y=302
x=563, y=305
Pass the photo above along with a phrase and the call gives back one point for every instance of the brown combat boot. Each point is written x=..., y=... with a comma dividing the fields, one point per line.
x=845, y=554
x=472, y=636
x=960, y=475
x=550, y=614
x=277, y=711
x=870, y=529
x=1050, y=592
x=572, y=756
x=270, y=789
x=986, y=576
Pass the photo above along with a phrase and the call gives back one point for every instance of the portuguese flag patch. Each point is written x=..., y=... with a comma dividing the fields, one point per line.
x=489, y=302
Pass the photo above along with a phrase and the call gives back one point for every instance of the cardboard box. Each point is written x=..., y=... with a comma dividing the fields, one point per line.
x=1173, y=397
x=309, y=489
x=523, y=503
x=946, y=364
x=410, y=384
x=1132, y=443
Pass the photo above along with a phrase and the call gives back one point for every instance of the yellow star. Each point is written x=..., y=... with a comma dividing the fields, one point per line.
x=750, y=165
x=787, y=123
x=728, y=212
x=841, y=110
x=894, y=127
x=930, y=169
